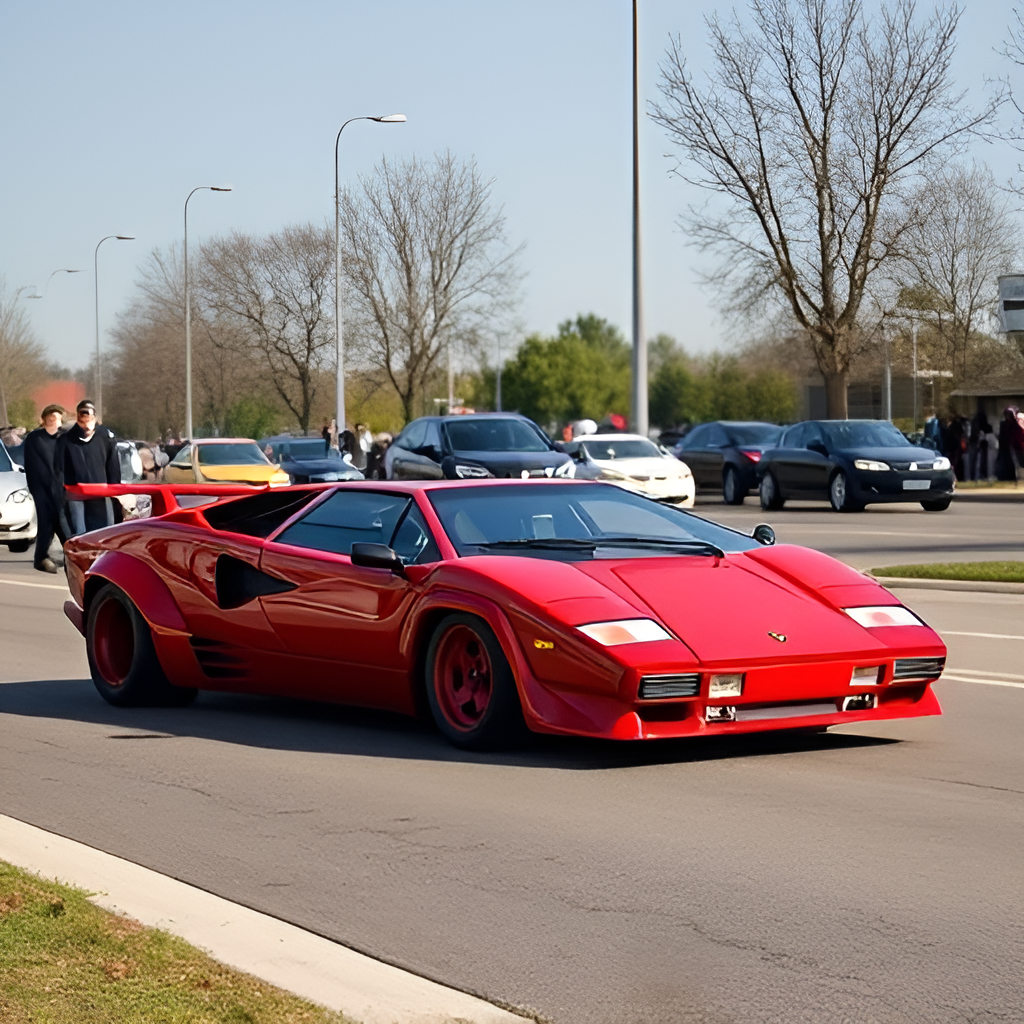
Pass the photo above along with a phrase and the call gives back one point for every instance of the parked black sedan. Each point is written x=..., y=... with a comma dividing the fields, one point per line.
x=853, y=463
x=308, y=460
x=723, y=455
x=498, y=444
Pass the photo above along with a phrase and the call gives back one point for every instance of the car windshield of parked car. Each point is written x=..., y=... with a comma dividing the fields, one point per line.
x=5, y=461
x=574, y=522
x=753, y=433
x=863, y=434
x=247, y=454
x=494, y=435
x=308, y=449
x=610, y=448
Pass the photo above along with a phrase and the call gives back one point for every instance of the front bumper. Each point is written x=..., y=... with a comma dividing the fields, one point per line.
x=17, y=520
x=902, y=485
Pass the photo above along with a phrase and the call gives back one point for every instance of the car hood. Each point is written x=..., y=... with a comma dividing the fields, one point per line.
x=11, y=482
x=909, y=453
x=645, y=466
x=244, y=474
x=316, y=467
x=513, y=463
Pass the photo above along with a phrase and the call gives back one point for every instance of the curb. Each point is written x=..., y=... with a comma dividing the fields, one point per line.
x=283, y=954
x=975, y=586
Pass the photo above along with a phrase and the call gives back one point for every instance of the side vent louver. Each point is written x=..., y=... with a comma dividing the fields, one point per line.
x=662, y=687
x=917, y=668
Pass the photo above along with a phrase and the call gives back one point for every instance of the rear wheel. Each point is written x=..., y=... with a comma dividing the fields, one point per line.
x=122, y=658
x=839, y=494
x=938, y=505
x=470, y=687
x=732, y=490
x=771, y=496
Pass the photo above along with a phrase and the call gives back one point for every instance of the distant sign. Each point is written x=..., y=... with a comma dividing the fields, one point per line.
x=1011, y=302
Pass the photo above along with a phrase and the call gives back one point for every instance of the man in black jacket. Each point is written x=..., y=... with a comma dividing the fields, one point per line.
x=87, y=454
x=40, y=448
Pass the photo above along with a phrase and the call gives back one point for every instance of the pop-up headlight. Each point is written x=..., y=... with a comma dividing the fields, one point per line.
x=624, y=631
x=883, y=615
x=725, y=686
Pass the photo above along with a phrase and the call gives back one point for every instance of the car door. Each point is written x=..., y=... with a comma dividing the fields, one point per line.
x=815, y=466
x=340, y=619
x=714, y=458
x=179, y=470
x=694, y=453
x=402, y=460
x=785, y=460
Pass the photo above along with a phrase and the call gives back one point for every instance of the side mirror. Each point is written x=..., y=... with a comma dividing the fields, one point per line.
x=430, y=451
x=376, y=556
x=817, y=446
x=763, y=534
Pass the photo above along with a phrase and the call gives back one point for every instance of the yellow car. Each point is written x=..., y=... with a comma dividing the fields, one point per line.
x=223, y=460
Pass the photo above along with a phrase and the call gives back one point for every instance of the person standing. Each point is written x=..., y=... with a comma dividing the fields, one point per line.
x=40, y=449
x=87, y=454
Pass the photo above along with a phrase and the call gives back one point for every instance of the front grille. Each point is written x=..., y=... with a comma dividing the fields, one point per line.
x=217, y=659
x=904, y=467
x=918, y=668
x=660, y=687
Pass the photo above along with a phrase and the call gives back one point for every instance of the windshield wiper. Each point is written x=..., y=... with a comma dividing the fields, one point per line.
x=704, y=546
x=541, y=542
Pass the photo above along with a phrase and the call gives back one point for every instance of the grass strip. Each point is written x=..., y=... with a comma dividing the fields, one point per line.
x=987, y=572
x=64, y=960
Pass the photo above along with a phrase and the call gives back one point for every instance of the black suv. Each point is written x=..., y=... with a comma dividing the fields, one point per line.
x=501, y=444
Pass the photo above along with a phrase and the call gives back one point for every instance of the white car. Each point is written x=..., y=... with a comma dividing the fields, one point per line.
x=634, y=462
x=17, y=509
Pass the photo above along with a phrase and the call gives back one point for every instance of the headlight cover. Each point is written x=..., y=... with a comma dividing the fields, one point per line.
x=19, y=496
x=941, y=463
x=607, y=473
x=465, y=471
x=872, y=465
x=873, y=616
x=624, y=631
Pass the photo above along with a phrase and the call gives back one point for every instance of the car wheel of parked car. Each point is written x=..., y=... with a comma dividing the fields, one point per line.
x=122, y=658
x=839, y=494
x=732, y=492
x=470, y=687
x=938, y=505
x=771, y=496
x=18, y=547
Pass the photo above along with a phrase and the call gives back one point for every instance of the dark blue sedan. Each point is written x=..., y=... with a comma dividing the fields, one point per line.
x=852, y=463
x=308, y=460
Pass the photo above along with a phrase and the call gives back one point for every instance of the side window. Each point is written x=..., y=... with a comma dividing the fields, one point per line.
x=183, y=460
x=813, y=434
x=432, y=435
x=794, y=437
x=413, y=542
x=344, y=518
x=696, y=438
x=717, y=437
x=412, y=437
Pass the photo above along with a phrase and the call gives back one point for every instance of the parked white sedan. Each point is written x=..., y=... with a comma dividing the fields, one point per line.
x=17, y=509
x=634, y=462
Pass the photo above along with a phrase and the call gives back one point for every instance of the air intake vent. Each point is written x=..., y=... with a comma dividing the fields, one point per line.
x=918, y=668
x=219, y=660
x=660, y=687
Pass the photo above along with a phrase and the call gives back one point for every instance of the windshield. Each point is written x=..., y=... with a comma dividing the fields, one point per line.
x=572, y=522
x=611, y=448
x=314, y=448
x=494, y=435
x=753, y=433
x=863, y=434
x=5, y=462
x=247, y=454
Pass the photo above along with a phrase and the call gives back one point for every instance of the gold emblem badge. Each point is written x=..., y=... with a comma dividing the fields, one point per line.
x=781, y=637
x=544, y=645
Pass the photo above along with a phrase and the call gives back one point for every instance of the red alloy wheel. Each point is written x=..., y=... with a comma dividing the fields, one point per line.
x=463, y=681
x=113, y=642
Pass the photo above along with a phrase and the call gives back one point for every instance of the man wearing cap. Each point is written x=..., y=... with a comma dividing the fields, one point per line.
x=87, y=454
x=40, y=448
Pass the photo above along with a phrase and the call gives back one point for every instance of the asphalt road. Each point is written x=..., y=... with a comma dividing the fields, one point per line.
x=871, y=874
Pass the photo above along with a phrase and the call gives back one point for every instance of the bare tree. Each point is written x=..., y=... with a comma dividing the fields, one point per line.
x=276, y=294
x=22, y=358
x=427, y=265
x=965, y=237
x=811, y=124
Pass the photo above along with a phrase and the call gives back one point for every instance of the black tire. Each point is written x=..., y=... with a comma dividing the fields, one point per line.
x=500, y=723
x=122, y=658
x=19, y=547
x=839, y=494
x=771, y=497
x=732, y=491
x=938, y=505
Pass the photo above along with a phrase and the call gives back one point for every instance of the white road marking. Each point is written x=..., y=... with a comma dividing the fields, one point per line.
x=41, y=586
x=978, y=672
x=984, y=682
x=987, y=636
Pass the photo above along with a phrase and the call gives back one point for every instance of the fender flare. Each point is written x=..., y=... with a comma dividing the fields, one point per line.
x=142, y=584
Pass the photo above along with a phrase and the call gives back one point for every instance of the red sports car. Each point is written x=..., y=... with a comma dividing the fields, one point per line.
x=501, y=605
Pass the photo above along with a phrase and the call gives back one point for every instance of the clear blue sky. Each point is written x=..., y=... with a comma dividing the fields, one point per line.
x=110, y=112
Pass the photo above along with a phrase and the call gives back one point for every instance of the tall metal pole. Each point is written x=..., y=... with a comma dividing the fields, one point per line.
x=339, y=401
x=913, y=331
x=639, y=341
x=96, y=282
x=188, y=314
x=887, y=379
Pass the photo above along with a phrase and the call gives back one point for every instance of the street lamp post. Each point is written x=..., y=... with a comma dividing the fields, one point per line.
x=339, y=411
x=188, y=313
x=96, y=281
x=640, y=420
x=42, y=294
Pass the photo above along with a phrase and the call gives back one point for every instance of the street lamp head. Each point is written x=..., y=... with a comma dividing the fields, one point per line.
x=390, y=118
x=220, y=188
x=123, y=238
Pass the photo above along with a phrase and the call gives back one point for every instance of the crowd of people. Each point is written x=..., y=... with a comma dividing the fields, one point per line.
x=975, y=449
x=359, y=446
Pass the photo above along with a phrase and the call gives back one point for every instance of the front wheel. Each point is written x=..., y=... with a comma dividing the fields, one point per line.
x=122, y=658
x=839, y=494
x=732, y=490
x=771, y=496
x=938, y=505
x=470, y=686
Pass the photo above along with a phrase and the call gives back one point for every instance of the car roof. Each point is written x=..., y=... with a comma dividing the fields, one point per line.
x=277, y=438
x=612, y=436
x=455, y=417
x=221, y=440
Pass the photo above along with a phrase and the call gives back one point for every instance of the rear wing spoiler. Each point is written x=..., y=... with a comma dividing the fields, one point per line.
x=164, y=496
